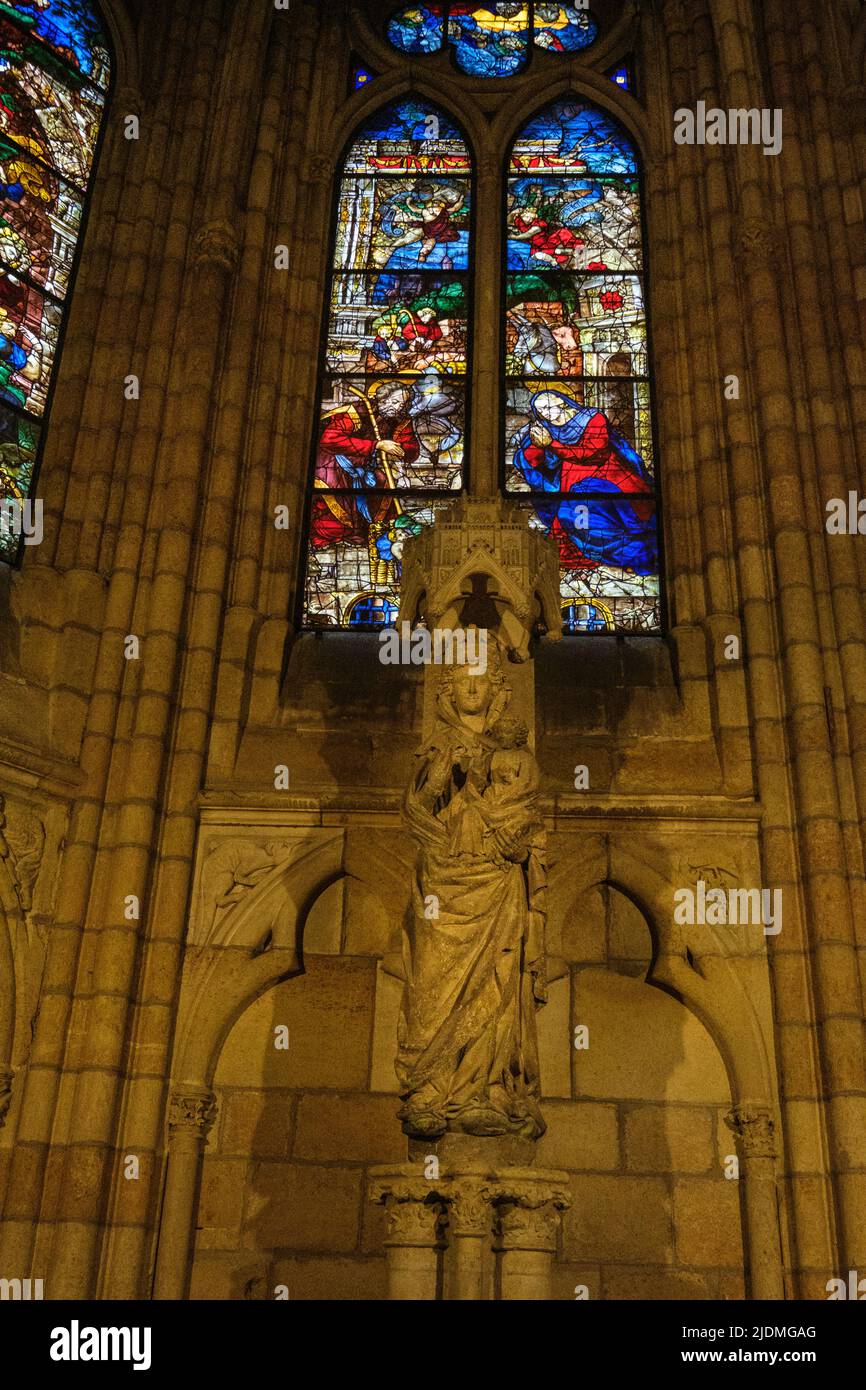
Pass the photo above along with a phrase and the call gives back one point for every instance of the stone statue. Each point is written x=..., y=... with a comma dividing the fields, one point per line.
x=474, y=953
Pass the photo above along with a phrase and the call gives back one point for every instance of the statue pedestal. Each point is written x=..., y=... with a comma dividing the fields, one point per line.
x=470, y=1219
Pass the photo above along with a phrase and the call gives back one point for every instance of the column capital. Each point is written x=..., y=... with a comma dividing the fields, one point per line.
x=529, y=1214
x=754, y=1129
x=413, y=1209
x=216, y=244
x=191, y=1114
x=469, y=1208
x=759, y=239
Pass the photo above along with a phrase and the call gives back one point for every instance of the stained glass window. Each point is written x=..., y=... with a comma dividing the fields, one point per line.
x=54, y=71
x=489, y=39
x=578, y=430
x=392, y=409
x=621, y=75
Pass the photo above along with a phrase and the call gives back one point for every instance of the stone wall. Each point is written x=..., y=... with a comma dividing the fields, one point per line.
x=117, y=1032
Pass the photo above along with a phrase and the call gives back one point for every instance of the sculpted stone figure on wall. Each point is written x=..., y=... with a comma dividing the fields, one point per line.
x=474, y=952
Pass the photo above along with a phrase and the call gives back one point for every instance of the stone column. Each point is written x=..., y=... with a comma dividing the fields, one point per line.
x=191, y=1117
x=413, y=1239
x=469, y=1226
x=753, y=1127
x=483, y=465
x=528, y=1220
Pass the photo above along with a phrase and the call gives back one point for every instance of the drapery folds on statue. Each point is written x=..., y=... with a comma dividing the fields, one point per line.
x=474, y=951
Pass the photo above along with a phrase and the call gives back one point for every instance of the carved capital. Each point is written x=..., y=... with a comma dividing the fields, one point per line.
x=316, y=169
x=758, y=240
x=529, y=1215
x=469, y=1212
x=6, y=1078
x=217, y=244
x=128, y=101
x=754, y=1129
x=191, y=1115
x=413, y=1211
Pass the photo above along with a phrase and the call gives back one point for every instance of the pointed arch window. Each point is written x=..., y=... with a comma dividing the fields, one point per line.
x=392, y=412
x=54, y=76
x=578, y=415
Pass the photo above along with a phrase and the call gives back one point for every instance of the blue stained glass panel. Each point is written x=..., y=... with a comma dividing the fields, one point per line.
x=408, y=137
x=564, y=28
x=54, y=72
x=489, y=40
x=70, y=29
x=580, y=443
x=393, y=404
x=417, y=29
x=570, y=137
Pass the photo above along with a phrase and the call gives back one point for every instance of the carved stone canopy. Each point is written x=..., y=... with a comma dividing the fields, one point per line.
x=482, y=565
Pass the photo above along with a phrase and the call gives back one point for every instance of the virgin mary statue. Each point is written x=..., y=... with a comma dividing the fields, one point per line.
x=474, y=950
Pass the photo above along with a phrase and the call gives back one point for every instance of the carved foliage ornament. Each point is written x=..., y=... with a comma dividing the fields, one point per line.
x=216, y=244
x=192, y=1113
x=755, y=1131
x=413, y=1210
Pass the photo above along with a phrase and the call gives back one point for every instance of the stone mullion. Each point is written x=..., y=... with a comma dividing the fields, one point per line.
x=106, y=426
x=697, y=222
x=77, y=1233
x=670, y=366
x=262, y=491
x=91, y=322
x=52, y=1030
x=821, y=851
x=265, y=561
x=108, y=421
x=268, y=560
x=305, y=182
x=486, y=337
x=163, y=959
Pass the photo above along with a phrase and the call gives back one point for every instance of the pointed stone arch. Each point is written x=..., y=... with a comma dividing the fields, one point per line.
x=255, y=946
